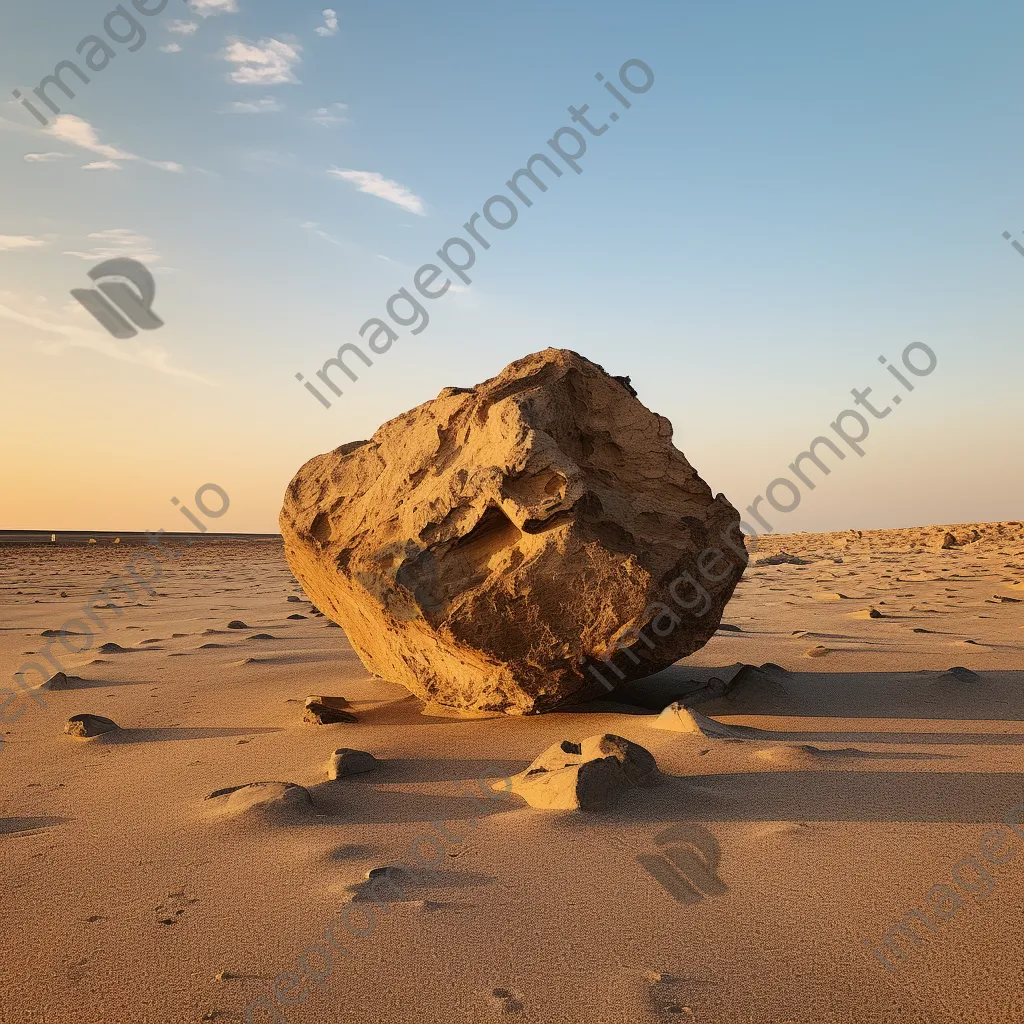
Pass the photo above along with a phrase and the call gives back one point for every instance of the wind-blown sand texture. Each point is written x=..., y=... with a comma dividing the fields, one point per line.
x=755, y=882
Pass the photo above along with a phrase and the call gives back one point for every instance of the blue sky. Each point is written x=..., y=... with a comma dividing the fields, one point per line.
x=804, y=188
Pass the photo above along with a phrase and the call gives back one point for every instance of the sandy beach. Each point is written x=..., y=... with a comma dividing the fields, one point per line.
x=760, y=880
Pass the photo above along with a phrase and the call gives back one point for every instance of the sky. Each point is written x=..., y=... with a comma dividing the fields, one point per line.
x=802, y=189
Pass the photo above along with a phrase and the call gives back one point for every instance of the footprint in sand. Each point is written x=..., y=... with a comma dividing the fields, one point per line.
x=506, y=1000
x=667, y=993
x=173, y=908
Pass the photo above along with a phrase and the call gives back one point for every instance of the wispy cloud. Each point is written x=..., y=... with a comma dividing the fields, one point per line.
x=330, y=115
x=267, y=105
x=170, y=48
x=330, y=25
x=315, y=229
x=76, y=132
x=9, y=243
x=268, y=62
x=183, y=28
x=211, y=8
x=375, y=184
x=102, y=165
x=44, y=158
x=55, y=331
x=119, y=242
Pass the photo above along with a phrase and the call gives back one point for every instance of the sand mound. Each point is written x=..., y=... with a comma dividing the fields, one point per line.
x=272, y=800
x=677, y=718
x=957, y=678
x=451, y=545
x=60, y=681
x=804, y=754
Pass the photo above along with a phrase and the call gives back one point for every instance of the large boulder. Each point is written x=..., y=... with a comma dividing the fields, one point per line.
x=491, y=548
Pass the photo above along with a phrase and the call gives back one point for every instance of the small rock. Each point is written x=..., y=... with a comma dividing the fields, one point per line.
x=586, y=776
x=294, y=598
x=782, y=558
x=87, y=726
x=756, y=684
x=237, y=624
x=346, y=761
x=320, y=714
x=298, y=616
x=947, y=540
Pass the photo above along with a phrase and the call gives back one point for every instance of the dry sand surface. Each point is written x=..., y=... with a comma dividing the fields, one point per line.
x=755, y=882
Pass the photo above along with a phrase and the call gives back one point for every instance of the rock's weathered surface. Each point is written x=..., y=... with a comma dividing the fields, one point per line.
x=586, y=776
x=490, y=548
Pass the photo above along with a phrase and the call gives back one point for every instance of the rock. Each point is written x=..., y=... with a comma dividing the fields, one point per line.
x=346, y=761
x=296, y=615
x=237, y=624
x=756, y=686
x=268, y=799
x=947, y=540
x=868, y=613
x=782, y=558
x=86, y=726
x=294, y=598
x=586, y=776
x=490, y=548
x=320, y=714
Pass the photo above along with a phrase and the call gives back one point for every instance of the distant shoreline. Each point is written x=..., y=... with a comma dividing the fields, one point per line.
x=108, y=537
